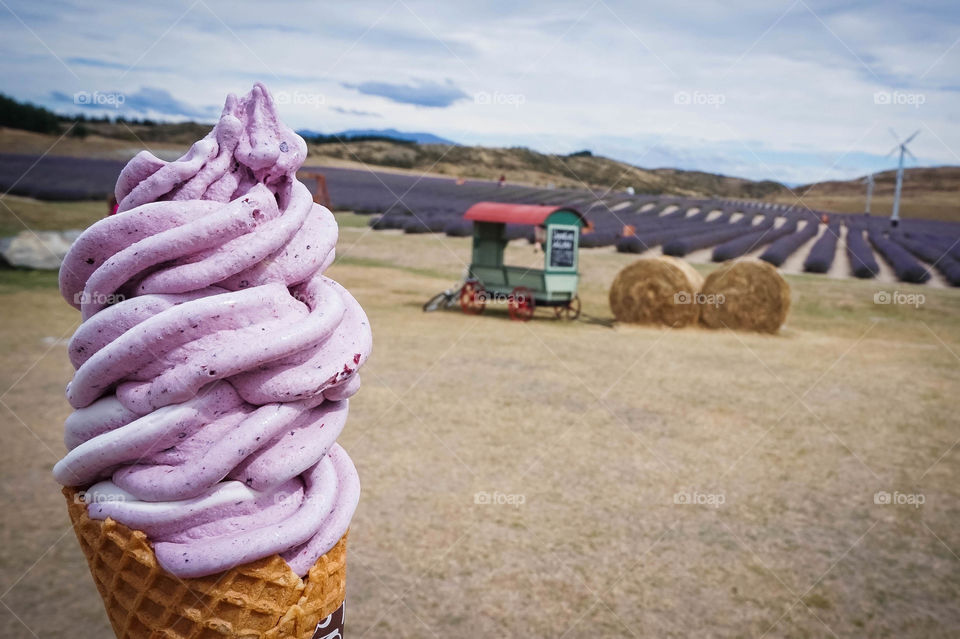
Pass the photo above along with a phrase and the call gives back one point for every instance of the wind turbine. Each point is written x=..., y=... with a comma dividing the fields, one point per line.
x=902, y=146
x=869, y=182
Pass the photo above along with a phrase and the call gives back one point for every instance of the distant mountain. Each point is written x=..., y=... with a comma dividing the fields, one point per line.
x=409, y=136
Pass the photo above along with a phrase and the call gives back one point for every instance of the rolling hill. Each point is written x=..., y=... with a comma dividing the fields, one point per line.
x=522, y=165
x=928, y=192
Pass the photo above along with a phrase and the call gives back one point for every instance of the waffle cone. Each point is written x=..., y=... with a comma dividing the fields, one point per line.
x=264, y=598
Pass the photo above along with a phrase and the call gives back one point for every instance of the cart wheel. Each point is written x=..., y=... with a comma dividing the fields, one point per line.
x=472, y=298
x=521, y=304
x=569, y=312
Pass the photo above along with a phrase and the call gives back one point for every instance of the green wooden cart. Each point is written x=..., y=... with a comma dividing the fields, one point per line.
x=523, y=289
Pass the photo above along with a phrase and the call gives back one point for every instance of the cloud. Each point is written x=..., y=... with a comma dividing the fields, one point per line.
x=359, y=112
x=148, y=101
x=100, y=64
x=797, y=83
x=420, y=93
x=97, y=63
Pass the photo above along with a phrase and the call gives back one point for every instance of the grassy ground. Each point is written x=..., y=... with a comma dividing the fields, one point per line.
x=587, y=435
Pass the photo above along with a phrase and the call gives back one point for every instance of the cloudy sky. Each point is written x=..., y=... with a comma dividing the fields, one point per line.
x=791, y=90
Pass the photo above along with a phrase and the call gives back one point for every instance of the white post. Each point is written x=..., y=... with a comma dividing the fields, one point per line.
x=869, y=191
x=895, y=217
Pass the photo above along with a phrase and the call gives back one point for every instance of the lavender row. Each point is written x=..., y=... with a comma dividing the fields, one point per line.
x=942, y=260
x=904, y=264
x=779, y=250
x=684, y=245
x=822, y=253
x=862, y=262
x=58, y=178
x=746, y=243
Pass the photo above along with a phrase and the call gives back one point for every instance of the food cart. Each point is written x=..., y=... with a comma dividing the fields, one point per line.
x=524, y=289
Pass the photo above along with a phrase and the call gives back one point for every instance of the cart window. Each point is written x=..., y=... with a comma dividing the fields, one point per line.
x=563, y=246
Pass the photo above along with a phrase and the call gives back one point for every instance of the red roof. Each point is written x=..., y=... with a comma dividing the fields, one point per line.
x=506, y=213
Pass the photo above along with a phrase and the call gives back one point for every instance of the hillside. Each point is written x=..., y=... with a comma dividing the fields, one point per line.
x=915, y=180
x=184, y=133
x=928, y=192
x=90, y=146
x=539, y=169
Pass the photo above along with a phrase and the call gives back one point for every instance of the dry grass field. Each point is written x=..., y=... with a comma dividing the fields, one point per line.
x=583, y=437
x=92, y=146
x=928, y=205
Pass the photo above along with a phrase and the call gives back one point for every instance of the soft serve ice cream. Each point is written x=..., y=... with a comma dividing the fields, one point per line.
x=215, y=360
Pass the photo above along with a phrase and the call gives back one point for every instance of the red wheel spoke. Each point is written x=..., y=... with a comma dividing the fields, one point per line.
x=521, y=304
x=472, y=298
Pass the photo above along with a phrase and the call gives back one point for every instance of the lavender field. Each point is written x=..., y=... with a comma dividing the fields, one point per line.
x=917, y=251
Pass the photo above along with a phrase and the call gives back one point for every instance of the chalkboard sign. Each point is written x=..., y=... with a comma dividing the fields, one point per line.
x=563, y=245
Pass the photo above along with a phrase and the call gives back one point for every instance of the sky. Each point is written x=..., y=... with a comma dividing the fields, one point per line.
x=796, y=91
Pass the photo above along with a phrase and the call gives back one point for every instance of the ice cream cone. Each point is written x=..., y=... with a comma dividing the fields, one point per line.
x=264, y=598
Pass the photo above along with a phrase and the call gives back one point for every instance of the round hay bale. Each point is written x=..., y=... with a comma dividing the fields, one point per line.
x=747, y=295
x=656, y=290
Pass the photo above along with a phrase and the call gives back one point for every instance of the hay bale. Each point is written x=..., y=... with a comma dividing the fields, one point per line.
x=656, y=290
x=747, y=295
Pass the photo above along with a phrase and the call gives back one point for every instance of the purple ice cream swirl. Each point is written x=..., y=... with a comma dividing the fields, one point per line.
x=215, y=361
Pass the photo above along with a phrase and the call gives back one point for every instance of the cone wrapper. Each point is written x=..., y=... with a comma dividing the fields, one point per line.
x=263, y=599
